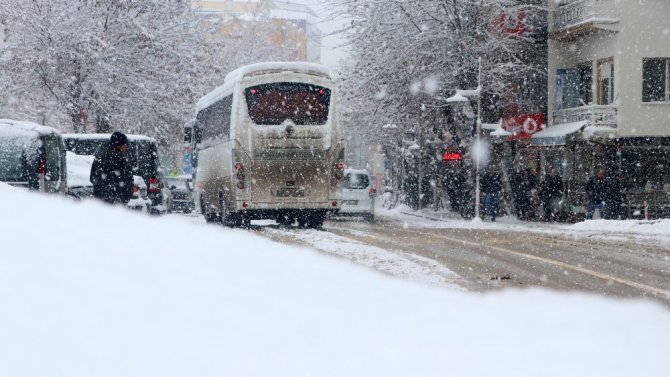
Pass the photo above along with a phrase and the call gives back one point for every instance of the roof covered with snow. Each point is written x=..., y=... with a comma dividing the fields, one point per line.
x=560, y=130
x=106, y=137
x=17, y=126
x=279, y=67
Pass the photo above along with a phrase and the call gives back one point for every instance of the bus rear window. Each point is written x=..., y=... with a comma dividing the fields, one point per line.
x=303, y=104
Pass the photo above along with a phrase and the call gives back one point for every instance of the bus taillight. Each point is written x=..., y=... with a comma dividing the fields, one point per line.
x=339, y=170
x=240, y=175
x=42, y=166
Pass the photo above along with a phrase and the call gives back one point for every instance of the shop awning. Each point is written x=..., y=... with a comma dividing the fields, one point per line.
x=496, y=129
x=555, y=135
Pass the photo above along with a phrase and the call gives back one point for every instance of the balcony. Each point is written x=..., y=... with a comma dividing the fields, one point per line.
x=581, y=17
x=598, y=116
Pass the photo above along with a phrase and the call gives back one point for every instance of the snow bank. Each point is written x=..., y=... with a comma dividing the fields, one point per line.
x=100, y=291
x=653, y=231
x=651, y=227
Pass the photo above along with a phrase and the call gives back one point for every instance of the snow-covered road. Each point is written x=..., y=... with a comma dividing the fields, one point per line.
x=616, y=260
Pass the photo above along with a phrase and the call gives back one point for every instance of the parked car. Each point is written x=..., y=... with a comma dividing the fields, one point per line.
x=166, y=196
x=142, y=153
x=32, y=156
x=358, y=195
x=182, y=193
x=139, y=201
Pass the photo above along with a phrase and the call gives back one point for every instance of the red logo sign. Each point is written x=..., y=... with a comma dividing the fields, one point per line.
x=511, y=22
x=523, y=126
x=451, y=156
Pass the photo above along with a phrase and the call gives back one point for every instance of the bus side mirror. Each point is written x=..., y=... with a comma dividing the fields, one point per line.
x=197, y=134
x=188, y=134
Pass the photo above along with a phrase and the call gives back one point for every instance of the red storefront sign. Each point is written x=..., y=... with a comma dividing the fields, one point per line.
x=523, y=126
x=451, y=156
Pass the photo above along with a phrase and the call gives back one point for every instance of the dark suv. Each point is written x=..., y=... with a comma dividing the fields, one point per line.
x=142, y=153
x=32, y=156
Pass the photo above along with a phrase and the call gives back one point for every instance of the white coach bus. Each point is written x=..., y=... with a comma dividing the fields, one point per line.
x=268, y=144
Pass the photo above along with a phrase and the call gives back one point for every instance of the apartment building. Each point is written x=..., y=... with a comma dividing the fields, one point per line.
x=293, y=25
x=609, y=94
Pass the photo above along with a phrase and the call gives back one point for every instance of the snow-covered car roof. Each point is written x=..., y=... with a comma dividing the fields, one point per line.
x=17, y=127
x=107, y=137
x=356, y=171
x=182, y=177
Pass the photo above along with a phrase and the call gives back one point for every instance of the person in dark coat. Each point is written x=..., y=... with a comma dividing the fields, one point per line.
x=551, y=191
x=490, y=186
x=596, y=191
x=524, y=185
x=111, y=173
x=615, y=199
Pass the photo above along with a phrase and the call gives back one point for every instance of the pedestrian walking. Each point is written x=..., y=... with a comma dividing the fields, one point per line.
x=490, y=186
x=111, y=173
x=551, y=193
x=596, y=192
x=615, y=199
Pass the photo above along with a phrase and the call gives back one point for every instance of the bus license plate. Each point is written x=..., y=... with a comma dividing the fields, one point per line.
x=290, y=193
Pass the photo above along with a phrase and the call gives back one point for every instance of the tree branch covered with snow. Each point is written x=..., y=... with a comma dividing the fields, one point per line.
x=409, y=56
x=132, y=65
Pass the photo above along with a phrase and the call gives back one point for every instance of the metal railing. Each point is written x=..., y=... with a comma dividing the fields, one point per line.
x=581, y=12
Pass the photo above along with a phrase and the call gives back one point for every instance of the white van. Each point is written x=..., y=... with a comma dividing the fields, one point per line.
x=358, y=195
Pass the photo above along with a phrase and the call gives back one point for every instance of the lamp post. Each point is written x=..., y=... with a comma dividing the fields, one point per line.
x=462, y=96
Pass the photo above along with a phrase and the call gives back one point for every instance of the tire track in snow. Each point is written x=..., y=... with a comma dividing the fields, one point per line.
x=407, y=266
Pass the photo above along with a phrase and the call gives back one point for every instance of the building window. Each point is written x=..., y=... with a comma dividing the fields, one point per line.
x=606, y=82
x=573, y=87
x=655, y=86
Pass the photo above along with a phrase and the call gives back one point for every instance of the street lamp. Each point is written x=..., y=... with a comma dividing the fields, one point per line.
x=462, y=96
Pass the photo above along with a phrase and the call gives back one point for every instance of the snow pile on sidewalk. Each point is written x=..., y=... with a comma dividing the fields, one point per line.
x=657, y=231
x=91, y=290
x=660, y=228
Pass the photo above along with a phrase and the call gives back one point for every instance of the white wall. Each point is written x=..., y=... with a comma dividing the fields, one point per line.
x=643, y=31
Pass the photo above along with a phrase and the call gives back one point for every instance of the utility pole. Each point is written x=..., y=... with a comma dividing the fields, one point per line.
x=420, y=136
x=478, y=139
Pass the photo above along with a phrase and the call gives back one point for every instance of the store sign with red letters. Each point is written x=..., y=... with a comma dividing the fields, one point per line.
x=523, y=126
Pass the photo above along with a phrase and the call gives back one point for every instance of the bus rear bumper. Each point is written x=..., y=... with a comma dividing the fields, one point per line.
x=260, y=211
